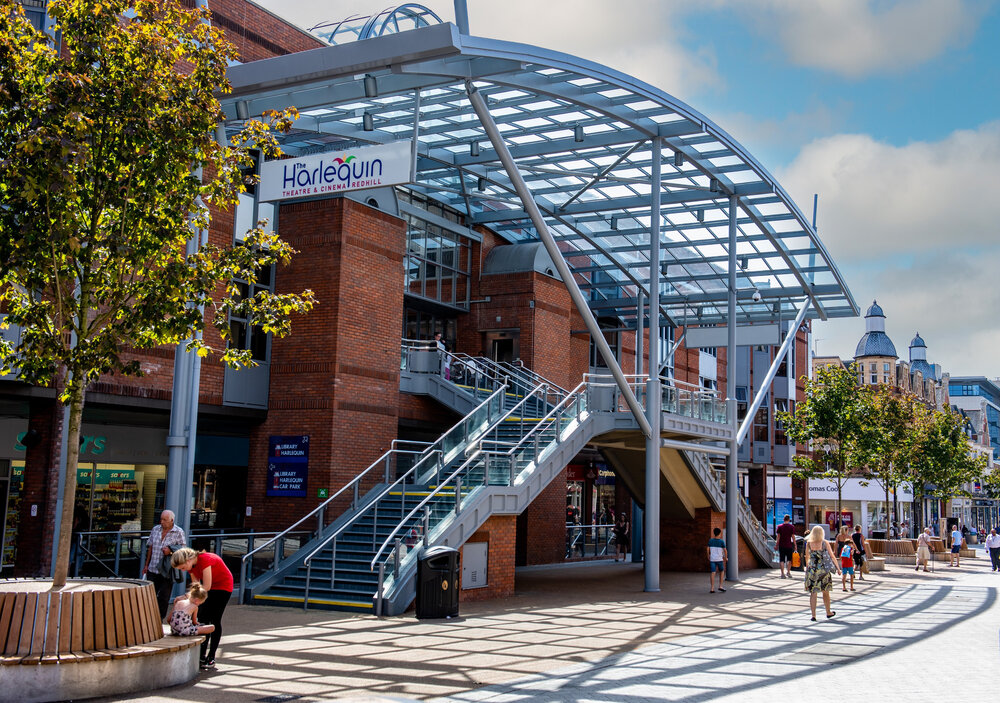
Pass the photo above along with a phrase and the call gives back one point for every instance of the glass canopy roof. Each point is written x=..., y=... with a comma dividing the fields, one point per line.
x=581, y=136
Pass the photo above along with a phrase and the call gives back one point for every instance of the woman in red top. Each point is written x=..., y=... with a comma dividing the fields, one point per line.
x=216, y=578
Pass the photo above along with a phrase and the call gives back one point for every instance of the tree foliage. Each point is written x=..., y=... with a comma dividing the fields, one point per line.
x=941, y=461
x=887, y=438
x=109, y=163
x=832, y=415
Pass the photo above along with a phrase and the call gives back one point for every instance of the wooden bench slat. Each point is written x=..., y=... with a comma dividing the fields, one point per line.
x=27, y=630
x=41, y=618
x=128, y=596
x=142, y=630
x=6, y=614
x=52, y=627
x=99, y=632
x=65, y=624
x=88, y=621
x=155, y=621
x=118, y=598
x=17, y=618
x=110, y=639
x=76, y=641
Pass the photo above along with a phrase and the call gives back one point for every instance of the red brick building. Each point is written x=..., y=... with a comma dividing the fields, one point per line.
x=450, y=251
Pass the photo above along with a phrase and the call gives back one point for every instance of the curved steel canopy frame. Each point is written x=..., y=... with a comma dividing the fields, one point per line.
x=580, y=134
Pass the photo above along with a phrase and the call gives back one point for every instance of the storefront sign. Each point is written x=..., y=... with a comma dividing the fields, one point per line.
x=103, y=476
x=575, y=472
x=825, y=490
x=287, y=465
x=336, y=172
x=605, y=477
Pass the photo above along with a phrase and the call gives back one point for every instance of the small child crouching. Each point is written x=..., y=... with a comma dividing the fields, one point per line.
x=183, y=618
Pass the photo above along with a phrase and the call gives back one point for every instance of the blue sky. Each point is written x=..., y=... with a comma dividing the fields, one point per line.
x=888, y=109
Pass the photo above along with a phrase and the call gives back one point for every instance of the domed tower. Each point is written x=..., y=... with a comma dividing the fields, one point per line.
x=876, y=354
x=918, y=359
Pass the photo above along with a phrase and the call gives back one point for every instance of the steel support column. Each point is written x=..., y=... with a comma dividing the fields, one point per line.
x=639, y=362
x=528, y=201
x=732, y=476
x=653, y=392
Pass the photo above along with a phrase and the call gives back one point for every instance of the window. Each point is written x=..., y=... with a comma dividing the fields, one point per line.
x=780, y=406
x=874, y=378
x=761, y=429
x=437, y=258
x=246, y=335
x=885, y=368
x=611, y=336
x=741, y=403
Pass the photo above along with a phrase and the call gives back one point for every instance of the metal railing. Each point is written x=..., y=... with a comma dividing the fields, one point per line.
x=426, y=469
x=598, y=540
x=116, y=551
x=277, y=543
x=494, y=458
x=678, y=397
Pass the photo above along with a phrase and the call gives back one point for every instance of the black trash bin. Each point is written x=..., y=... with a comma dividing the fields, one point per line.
x=437, y=583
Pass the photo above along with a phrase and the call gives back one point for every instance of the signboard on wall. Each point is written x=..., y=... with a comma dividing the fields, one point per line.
x=287, y=465
x=336, y=172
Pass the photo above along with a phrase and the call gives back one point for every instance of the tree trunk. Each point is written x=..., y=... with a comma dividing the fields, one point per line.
x=886, y=485
x=65, y=536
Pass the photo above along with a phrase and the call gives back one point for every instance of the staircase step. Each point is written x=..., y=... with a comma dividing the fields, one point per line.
x=345, y=604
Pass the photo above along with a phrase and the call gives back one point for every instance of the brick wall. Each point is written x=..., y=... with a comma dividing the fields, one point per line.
x=546, y=524
x=337, y=378
x=41, y=489
x=499, y=532
x=683, y=542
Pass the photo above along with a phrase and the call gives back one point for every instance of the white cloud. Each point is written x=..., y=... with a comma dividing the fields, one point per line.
x=856, y=38
x=951, y=299
x=878, y=200
x=641, y=38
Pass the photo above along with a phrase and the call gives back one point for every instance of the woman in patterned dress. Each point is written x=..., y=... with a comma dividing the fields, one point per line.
x=819, y=569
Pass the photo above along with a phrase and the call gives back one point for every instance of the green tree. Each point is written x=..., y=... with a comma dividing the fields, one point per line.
x=886, y=440
x=108, y=165
x=830, y=420
x=942, y=460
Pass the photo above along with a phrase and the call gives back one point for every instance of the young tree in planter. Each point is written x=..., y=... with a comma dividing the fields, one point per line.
x=942, y=460
x=108, y=165
x=886, y=440
x=830, y=420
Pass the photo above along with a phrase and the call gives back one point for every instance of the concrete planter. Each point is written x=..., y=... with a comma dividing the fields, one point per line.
x=94, y=637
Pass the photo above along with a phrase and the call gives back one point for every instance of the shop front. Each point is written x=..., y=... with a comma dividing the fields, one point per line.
x=860, y=504
x=121, y=478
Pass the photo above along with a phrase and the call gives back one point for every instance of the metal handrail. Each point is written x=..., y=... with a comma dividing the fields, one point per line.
x=431, y=451
x=573, y=394
x=319, y=511
x=444, y=484
x=517, y=366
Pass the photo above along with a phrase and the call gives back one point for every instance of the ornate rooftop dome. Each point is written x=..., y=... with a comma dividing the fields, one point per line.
x=875, y=341
x=918, y=358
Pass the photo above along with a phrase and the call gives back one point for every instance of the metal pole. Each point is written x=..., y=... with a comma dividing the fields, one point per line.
x=732, y=477
x=528, y=201
x=653, y=391
x=462, y=16
x=638, y=334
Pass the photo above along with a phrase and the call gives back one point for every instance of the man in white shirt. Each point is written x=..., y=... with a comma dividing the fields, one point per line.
x=161, y=539
x=993, y=544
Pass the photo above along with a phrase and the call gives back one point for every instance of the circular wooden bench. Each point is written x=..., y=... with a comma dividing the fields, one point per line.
x=93, y=637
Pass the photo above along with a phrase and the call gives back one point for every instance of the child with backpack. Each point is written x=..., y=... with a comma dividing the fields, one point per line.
x=847, y=563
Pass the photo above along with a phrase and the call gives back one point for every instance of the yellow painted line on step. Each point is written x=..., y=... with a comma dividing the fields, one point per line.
x=320, y=601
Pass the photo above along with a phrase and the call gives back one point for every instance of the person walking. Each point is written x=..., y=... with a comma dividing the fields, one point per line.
x=786, y=546
x=820, y=566
x=717, y=558
x=164, y=538
x=859, y=552
x=846, y=563
x=956, y=547
x=993, y=545
x=923, y=549
x=215, y=577
x=843, y=535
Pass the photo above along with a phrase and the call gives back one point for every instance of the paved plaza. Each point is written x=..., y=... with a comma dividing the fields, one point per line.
x=586, y=632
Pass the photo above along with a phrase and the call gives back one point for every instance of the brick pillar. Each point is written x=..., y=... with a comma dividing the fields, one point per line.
x=546, y=523
x=499, y=533
x=336, y=378
x=35, y=533
x=757, y=490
